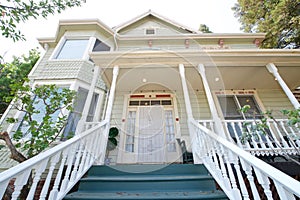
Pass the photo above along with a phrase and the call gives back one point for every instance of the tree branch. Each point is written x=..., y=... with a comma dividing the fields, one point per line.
x=15, y=154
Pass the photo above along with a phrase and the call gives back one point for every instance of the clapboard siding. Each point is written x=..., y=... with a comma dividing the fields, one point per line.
x=274, y=100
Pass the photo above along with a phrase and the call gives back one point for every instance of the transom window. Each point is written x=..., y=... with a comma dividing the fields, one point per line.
x=231, y=105
x=150, y=102
x=73, y=49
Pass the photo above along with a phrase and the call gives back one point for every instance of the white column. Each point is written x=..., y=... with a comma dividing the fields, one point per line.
x=111, y=93
x=218, y=124
x=88, y=101
x=189, y=112
x=107, y=118
x=273, y=69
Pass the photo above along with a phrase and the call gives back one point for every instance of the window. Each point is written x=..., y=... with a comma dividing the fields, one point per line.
x=100, y=46
x=150, y=31
x=170, y=131
x=75, y=115
x=231, y=105
x=73, y=49
x=129, y=146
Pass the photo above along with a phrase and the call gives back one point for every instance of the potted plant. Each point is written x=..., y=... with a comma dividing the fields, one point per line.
x=112, y=142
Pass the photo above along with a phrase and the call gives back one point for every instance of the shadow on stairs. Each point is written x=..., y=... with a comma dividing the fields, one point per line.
x=174, y=181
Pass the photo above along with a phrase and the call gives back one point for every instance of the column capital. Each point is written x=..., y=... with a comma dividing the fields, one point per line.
x=272, y=68
x=201, y=69
x=116, y=70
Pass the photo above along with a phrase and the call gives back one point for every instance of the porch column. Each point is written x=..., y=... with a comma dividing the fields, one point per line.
x=88, y=101
x=218, y=124
x=111, y=94
x=273, y=69
x=107, y=117
x=189, y=112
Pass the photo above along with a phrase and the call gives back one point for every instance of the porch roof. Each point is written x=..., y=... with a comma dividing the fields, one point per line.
x=225, y=69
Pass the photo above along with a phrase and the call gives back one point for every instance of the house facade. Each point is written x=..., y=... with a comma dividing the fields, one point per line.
x=160, y=75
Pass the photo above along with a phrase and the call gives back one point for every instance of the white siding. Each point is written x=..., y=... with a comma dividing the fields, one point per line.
x=274, y=100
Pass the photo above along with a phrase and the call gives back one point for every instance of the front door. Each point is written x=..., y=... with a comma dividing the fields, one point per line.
x=151, y=135
x=150, y=131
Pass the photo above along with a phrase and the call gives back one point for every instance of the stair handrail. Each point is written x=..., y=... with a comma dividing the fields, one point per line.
x=227, y=163
x=71, y=158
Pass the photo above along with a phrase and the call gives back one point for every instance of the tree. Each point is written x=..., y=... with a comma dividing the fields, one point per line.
x=43, y=120
x=41, y=125
x=12, y=12
x=279, y=19
x=204, y=29
x=11, y=73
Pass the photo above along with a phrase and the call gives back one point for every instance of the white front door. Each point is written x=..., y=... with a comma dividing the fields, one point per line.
x=151, y=135
x=150, y=131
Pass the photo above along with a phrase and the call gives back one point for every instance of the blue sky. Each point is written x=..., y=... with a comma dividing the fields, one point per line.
x=216, y=14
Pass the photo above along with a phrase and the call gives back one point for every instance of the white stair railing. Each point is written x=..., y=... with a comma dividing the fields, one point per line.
x=234, y=169
x=60, y=167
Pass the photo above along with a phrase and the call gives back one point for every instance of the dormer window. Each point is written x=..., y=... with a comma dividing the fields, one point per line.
x=150, y=31
x=73, y=49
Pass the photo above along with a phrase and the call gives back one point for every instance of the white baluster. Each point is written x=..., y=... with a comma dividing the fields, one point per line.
x=264, y=182
x=283, y=193
x=248, y=170
x=241, y=180
x=54, y=160
x=223, y=168
x=77, y=160
x=285, y=144
x=21, y=180
x=40, y=168
x=71, y=156
x=3, y=187
x=54, y=191
x=228, y=160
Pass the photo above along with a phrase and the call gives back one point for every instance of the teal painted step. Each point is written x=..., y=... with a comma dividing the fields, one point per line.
x=173, y=181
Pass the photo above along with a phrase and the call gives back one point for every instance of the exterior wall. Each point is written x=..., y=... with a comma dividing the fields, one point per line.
x=274, y=100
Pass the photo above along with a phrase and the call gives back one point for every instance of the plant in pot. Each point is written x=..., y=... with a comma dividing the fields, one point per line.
x=112, y=142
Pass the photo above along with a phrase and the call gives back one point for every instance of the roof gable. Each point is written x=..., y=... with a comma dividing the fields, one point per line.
x=151, y=20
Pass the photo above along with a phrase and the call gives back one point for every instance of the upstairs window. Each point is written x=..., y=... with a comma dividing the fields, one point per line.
x=73, y=49
x=100, y=46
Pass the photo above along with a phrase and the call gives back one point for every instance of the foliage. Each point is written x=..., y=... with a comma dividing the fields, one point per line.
x=260, y=126
x=15, y=72
x=43, y=118
x=204, y=29
x=112, y=141
x=15, y=11
x=279, y=19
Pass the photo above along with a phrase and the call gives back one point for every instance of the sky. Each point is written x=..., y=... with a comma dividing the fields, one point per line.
x=216, y=14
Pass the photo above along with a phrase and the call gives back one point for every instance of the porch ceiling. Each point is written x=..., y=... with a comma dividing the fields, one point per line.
x=225, y=69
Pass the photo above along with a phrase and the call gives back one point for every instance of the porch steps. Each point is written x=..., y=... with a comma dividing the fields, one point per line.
x=175, y=181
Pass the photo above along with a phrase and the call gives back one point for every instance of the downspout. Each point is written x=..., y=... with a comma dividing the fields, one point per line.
x=273, y=69
x=115, y=40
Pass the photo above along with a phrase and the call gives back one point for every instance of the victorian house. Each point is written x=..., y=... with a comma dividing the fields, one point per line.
x=175, y=95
